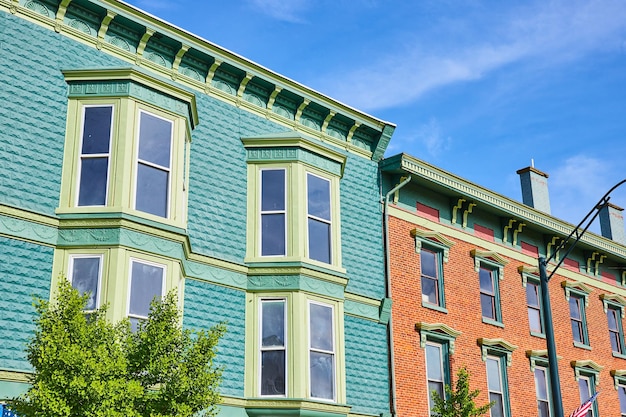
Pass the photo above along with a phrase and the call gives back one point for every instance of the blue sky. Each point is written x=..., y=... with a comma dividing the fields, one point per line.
x=478, y=88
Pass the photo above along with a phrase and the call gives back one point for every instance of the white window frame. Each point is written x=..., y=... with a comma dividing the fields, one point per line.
x=261, y=212
x=333, y=352
x=284, y=347
x=546, y=379
x=139, y=161
x=312, y=217
x=502, y=393
x=70, y=273
x=99, y=155
x=130, y=283
x=442, y=369
x=591, y=382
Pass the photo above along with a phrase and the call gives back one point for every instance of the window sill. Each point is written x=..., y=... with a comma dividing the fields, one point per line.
x=541, y=335
x=493, y=322
x=108, y=213
x=435, y=307
x=619, y=355
x=582, y=346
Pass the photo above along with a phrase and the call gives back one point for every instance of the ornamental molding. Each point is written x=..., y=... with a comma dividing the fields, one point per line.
x=536, y=356
x=427, y=236
x=578, y=288
x=615, y=300
x=619, y=377
x=498, y=346
x=366, y=311
x=437, y=331
x=24, y=229
x=586, y=366
x=528, y=272
x=491, y=258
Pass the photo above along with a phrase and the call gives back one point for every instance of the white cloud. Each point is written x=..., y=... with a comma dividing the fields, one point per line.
x=548, y=33
x=579, y=183
x=286, y=10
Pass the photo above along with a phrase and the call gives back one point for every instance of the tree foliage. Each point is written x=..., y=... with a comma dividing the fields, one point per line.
x=459, y=402
x=86, y=366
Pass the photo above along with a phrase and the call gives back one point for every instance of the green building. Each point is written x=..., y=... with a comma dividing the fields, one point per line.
x=137, y=158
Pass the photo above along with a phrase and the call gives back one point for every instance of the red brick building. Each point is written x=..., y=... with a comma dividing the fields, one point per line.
x=465, y=289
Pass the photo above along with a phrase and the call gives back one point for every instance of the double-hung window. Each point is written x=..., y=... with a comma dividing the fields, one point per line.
x=577, y=319
x=497, y=354
x=577, y=295
x=586, y=373
x=488, y=291
x=154, y=161
x=147, y=281
x=616, y=332
x=436, y=371
x=535, y=315
x=437, y=340
x=620, y=384
x=433, y=249
x=319, y=218
x=95, y=155
x=321, y=351
x=496, y=382
x=273, y=347
x=85, y=273
x=542, y=391
x=490, y=268
x=273, y=212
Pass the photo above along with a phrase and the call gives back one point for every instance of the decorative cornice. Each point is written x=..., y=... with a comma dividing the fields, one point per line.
x=538, y=356
x=511, y=207
x=499, y=346
x=437, y=330
x=578, y=288
x=619, y=377
x=615, y=300
x=490, y=257
x=586, y=366
x=428, y=236
x=528, y=272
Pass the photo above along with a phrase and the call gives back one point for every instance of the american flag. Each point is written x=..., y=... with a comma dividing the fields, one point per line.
x=581, y=411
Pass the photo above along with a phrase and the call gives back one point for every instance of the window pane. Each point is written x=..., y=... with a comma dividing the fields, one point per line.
x=152, y=187
x=532, y=296
x=273, y=190
x=429, y=291
x=319, y=241
x=622, y=398
x=540, y=384
x=272, y=234
x=534, y=320
x=433, y=363
x=318, y=197
x=493, y=375
x=155, y=139
x=273, y=323
x=428, y=263
x=577, y=333
x=543, y=408
x=438, y=388
x=486, y=305
x=322, y=375
x=498, y=408
x=146, y=283
x=486, y=280
x=615, y=342
x=321, y=324
x=97, y=130
x=584, y=389
x=93, y=181
x=85, y=273
x=273, y=372
x=574, y=308
x=611, y=316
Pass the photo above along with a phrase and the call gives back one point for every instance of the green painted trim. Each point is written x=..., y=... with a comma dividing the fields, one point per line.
x=294, y=407
x=383, y=142
x=434, y=307
x=264, y=268
x=215, y=275
x=385, y=311
x=66, y=219
x=361, y=310
x=132, y=82
x=493, y=322
x=294, y=154
x=582, y=345
x=21, y=228
x=311, y=285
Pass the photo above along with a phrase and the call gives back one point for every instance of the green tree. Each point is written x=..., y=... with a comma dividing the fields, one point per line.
x=86, y=366
x=459, y=402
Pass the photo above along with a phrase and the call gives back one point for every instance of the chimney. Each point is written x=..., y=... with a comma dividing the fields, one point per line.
x=535, y=188
x=612, y=223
